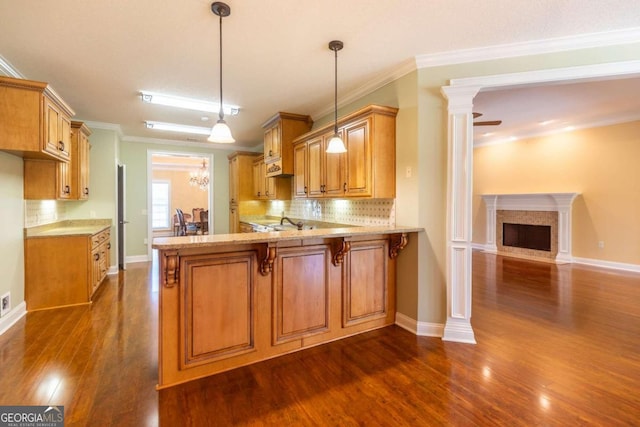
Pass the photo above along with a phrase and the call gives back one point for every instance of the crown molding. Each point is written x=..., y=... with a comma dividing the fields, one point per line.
x=9, y=70
x=535, y=47
x=369, y=86
x=105, y=126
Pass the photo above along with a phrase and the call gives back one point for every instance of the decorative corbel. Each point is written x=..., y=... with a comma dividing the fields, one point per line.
x=266, y=266
x=398, y=243
x=171, y=268
x=340, y=251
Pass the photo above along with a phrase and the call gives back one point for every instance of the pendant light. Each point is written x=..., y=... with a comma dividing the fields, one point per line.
x=336, y=145
x=221, y=132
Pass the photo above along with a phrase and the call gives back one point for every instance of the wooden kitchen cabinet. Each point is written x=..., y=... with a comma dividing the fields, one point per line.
x=80, y=163
x=35, y=122
x=63, y=270
x=279, y=132
x=240, y=185
x=367, y=169
x=54, y=180
x=269, y=188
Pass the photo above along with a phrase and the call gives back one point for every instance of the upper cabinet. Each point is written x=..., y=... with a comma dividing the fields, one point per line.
x=80, y=160
x=51, y=179
x=34, y=121
x=267, y=188
x=279, y=132
x=240, y=185
x=367, y=169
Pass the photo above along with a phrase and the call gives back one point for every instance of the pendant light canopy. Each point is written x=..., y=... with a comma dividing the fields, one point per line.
x=221, y=132
x=336, y=145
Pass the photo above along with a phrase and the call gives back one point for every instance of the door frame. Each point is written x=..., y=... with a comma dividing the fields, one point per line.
x=211, y=204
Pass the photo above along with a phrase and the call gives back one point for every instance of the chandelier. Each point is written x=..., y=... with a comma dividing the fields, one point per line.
x=200, y=178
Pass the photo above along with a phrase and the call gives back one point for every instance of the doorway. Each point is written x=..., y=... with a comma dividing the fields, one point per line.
x=178, y=180
x=460, y=95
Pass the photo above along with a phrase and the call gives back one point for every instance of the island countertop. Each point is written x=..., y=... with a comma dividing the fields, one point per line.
x=182, y=242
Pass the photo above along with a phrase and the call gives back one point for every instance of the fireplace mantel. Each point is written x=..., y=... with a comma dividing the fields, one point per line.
x=556, y=202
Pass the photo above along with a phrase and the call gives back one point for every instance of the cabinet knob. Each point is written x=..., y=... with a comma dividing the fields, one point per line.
x=60, y=145
x=109, y=245
x=344, y=187
x=86, y=191
x=305, y=189
x=96, y=257
x=67, y=189
x=270, y=153
x=258, y=194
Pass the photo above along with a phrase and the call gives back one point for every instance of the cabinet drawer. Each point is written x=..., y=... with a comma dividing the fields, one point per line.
x=98, y=239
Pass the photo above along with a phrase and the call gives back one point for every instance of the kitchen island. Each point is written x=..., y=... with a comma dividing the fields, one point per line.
x=229, y=300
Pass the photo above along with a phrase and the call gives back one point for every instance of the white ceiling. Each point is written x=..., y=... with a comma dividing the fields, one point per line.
x=99, y=55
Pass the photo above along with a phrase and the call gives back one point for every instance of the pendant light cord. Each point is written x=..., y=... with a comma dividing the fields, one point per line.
x=335, y=94
x=221, y=113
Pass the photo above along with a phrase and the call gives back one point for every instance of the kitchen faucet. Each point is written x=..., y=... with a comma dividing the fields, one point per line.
x=298, y=224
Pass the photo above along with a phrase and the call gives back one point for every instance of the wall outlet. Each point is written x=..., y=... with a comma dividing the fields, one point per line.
x=408, y=172
x=601, y=244
x=5, y=304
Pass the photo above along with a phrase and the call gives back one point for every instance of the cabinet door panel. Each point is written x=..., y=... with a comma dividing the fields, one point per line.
x=358, y=167
x=218, y=315
x=365, y=291
x=334, y=171
x=315, y=156
x=301, y=296
x=300, y=170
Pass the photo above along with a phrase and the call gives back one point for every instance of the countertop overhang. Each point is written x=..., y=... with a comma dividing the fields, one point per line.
x=197, y=241
x=80, y=227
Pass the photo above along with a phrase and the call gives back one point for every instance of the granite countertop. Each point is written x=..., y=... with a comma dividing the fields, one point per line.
x=183, y=242
x=74, y=227
x=271, y=220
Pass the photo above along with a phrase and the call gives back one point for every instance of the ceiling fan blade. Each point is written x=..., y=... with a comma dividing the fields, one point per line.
x=476, y=115
x=488, y=123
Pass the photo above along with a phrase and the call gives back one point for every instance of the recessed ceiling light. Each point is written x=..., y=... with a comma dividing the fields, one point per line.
x=186, y=103
x=546, y=122
x=569, y=128
x=487, y=134
x=174, y=127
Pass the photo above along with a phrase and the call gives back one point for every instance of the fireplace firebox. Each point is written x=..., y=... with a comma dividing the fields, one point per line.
x=527, y=236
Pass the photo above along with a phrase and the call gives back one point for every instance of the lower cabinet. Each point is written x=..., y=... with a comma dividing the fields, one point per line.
x=65, y=270
x=228, y=306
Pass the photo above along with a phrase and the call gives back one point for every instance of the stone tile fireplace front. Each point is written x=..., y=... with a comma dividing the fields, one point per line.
x=552, y=210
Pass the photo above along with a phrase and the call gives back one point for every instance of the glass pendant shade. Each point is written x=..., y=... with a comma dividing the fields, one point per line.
x=336, y=145
x=221, y=133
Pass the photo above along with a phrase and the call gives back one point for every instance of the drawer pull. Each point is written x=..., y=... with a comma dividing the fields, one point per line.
x=96, y=257
x=61, y=145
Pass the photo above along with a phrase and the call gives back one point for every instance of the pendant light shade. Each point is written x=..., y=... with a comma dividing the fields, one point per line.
x=336, y=145
x=221, y=132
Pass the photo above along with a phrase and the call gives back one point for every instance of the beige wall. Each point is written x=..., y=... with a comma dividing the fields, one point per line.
x=600, y=163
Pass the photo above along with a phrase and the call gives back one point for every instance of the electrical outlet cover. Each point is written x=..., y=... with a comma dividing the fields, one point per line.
x=5, y=304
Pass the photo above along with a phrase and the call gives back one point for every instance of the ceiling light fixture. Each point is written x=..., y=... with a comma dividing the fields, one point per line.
x=200, y=177
x=174, y=127
x=221, y=132
x=186, y=103
x=336, y=145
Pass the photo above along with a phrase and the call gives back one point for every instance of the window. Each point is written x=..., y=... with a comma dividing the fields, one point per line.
x=160, y=217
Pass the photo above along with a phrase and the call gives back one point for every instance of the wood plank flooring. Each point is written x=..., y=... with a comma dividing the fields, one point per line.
x=557, y=346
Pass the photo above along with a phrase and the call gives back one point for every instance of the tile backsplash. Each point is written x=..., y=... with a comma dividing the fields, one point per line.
x=369, y=212
x=40, y=212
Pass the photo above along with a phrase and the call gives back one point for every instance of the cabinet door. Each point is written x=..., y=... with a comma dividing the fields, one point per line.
x=358, y=159
x=234, y=219
x=315, y=167
x=365, y=291
x=233, y=180
x=301, y=296
x=83, y=166
x=272, y=144
x=64, y=179
x=258, y=180
x=96, y=269
x=58, y=131
x=334, y=171
x=300, y=171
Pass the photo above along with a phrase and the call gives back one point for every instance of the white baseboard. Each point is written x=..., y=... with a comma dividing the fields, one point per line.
x=423, y=329
x=12, y=317
x=136, y=258
x=607, y=264
x=112, y=270
x=479, y=246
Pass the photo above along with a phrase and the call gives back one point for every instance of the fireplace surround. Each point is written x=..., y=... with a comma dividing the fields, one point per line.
x=538, y=209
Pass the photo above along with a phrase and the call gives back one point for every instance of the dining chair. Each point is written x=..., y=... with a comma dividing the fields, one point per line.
x=185, y=227
x=204, y=221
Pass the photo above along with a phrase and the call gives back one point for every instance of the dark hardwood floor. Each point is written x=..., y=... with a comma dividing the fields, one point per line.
x=557, y=346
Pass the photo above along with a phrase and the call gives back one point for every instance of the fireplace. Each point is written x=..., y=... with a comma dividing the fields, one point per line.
x=527, y=236
x=534, y=226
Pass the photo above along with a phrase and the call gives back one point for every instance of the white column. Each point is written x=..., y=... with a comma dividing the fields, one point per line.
x=459, y=200
x=564, y=203
x=490, y=202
